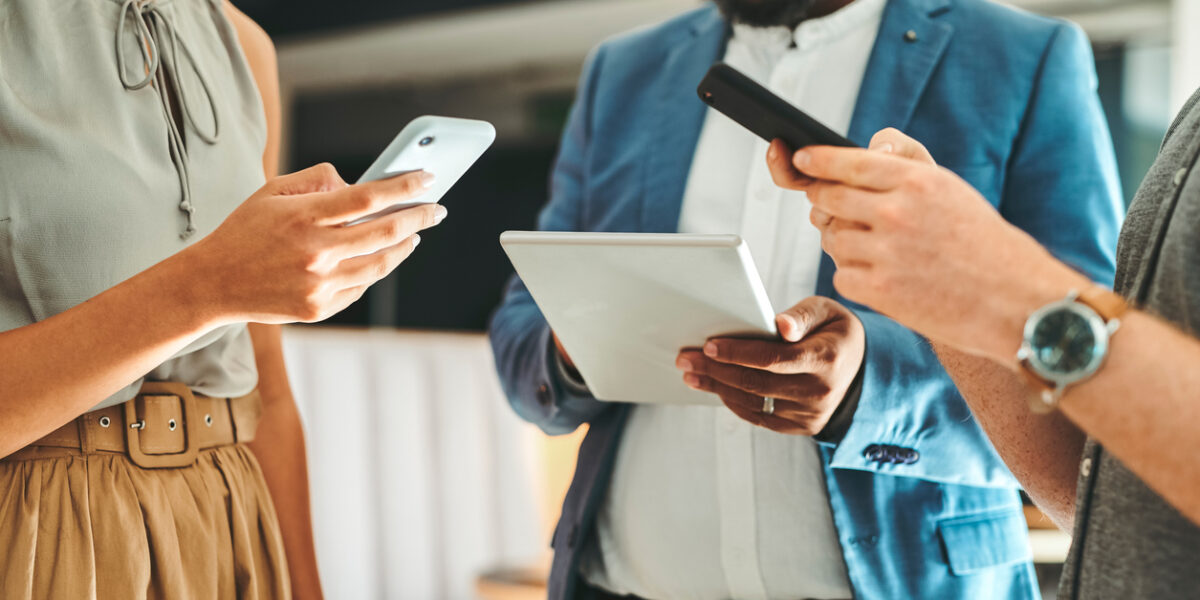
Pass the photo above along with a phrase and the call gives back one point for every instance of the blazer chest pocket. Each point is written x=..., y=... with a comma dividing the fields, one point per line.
x=977, y=542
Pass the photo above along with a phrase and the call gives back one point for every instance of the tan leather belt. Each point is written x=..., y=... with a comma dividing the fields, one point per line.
x=165, y=426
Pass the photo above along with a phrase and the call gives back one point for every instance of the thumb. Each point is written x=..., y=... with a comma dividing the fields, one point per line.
x=797, y=321
x=894, y=141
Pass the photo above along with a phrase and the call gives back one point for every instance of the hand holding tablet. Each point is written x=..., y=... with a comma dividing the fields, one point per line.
x=791, y=385
x=624, y=304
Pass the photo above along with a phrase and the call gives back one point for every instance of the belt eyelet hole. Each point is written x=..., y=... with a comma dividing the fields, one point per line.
x=208, y=420
x=171, y=424
x=105, y=421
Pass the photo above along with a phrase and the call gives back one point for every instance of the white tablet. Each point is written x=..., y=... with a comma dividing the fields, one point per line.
x=624, y=304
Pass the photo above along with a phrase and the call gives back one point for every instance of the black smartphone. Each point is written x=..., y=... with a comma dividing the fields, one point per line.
x=758, y=109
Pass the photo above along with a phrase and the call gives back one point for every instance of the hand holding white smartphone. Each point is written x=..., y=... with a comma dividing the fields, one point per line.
x=444, y=146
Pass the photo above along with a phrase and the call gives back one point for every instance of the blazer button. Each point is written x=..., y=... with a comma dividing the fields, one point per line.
x=911, y=456
x=873, y=453
x=543, y=395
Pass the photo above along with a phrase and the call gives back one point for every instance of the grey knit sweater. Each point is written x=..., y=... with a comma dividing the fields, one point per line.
x=1129, y=543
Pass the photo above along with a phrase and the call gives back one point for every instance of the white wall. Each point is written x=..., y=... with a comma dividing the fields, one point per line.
x=1185, y=59
x=422, y=476
x=544, y=35
x=555, y=34
x=547, y=41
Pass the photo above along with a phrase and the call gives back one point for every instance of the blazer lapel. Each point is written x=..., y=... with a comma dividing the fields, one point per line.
x=910, y=45
x=670, y=141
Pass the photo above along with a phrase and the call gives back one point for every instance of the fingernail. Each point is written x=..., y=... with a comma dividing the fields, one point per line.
x=692, y=380
x=710, y=349
x=439, y=213
x=416, y=240
x=792, y=335
x=427, y=179
x=887, y=148
x=772, y=152
x=684, y=364
x=801, y=158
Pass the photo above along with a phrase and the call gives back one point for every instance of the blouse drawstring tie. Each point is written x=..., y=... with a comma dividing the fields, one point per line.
x=152, y=29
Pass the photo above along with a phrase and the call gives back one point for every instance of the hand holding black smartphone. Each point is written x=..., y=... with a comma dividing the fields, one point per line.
x=758, y=109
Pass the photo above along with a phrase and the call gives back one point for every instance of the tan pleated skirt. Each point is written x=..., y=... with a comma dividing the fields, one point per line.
x=97, y=526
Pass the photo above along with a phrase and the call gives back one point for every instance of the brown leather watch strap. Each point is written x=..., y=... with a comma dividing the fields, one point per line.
x=1042, y=401
x=1109, y=305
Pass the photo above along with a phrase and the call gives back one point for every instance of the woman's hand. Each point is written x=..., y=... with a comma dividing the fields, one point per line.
x=286, y=255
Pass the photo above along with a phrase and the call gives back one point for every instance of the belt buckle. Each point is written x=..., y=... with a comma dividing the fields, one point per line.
x=133, y=425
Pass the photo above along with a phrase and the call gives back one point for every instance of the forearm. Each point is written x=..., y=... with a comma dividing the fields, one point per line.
x=280, y=449
x=57, y=369
x=1042, y=451
x=1143, y=407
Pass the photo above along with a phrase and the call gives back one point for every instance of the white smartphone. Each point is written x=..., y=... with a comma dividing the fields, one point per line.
x=444, y=146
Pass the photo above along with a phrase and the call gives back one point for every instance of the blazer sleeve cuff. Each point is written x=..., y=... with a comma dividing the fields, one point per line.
x=564, y=398
x=835, y=430
x=910, y=420
x=570, y=379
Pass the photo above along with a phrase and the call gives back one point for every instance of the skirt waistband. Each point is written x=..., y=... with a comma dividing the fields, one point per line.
x=165, y=426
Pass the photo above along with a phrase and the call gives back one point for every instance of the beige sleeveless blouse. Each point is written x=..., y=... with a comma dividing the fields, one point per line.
x=127, y=131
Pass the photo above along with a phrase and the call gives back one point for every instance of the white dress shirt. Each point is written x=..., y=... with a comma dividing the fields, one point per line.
x=703, y=505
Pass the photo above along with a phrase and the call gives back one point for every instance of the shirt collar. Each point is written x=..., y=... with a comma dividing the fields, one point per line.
x=812, y=32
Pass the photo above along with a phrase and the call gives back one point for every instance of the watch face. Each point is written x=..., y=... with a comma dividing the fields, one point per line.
x=1064, y=342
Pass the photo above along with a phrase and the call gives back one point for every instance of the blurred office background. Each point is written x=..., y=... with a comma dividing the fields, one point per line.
x=425, y=484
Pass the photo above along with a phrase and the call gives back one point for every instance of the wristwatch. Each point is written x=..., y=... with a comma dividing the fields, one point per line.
x=1066, y=342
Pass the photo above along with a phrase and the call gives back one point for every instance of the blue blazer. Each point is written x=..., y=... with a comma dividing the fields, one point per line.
x=1004, y=98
